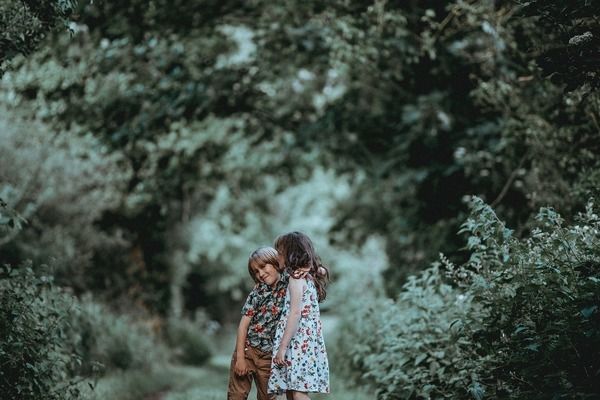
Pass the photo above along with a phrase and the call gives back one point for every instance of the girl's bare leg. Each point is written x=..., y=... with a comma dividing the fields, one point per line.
x=289, y=395
x=299, y=395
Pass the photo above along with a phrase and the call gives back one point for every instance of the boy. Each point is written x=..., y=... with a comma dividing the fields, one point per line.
x=260, y=314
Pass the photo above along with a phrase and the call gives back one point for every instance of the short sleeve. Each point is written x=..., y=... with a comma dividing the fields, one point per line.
x=250, y=306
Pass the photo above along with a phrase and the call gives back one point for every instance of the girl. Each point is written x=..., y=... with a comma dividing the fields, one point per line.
x=300, y=363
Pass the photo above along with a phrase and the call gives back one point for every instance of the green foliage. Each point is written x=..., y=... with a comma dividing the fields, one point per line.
x=571, y=59
x=414, y=347
x=210, y=253
x=171, y=138
x=63, y=185
x=542, y=296
x=112, y=341
x=10, y=220
x=35, y=359
x=521, y=320
x=477, y=116
x=190, y=339
x=24, y=24
x=50, y=342
x=53, y=345
x=130, y=385
x=429, y=101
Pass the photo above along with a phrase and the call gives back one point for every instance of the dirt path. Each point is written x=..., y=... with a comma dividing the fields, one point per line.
x=209, y=382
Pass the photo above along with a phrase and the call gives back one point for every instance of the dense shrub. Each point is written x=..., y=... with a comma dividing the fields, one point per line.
x=541, y=300
x=34, y=358
x=24, y=24
x=107, y=340
x=50, y=340
x=62, y=185
x=413, y=347
x=190, y=339
x=520, y=320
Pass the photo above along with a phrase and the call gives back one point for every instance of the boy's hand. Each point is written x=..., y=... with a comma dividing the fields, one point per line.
x=241, y=367
x=279, y=358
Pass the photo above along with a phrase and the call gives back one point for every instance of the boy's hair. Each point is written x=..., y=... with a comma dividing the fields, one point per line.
x=262, y=255
x=298, y=252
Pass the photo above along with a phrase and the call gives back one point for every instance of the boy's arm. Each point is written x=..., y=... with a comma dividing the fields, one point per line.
x=295, y=286
x=241, y=367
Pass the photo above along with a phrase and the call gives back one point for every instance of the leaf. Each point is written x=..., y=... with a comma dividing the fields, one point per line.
x=439, y=354
x=477, y=391
x=454, y=322
x=588, y=311
x=533, y=347
x=420, y=359
x=520, y=328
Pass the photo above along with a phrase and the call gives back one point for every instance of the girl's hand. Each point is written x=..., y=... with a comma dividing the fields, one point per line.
x=300, y=273
x=241, y=367
x=279, y=358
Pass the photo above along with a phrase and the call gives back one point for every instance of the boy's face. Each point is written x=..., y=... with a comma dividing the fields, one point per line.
x=266, y=273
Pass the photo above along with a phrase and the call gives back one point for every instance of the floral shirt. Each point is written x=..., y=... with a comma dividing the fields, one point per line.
x=264, y=305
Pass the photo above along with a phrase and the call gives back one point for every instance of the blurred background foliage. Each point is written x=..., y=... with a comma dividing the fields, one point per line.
x=26, y=23
x=154, y=145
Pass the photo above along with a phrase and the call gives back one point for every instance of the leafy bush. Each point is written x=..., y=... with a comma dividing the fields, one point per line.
x=541, y=297
x=50, y=341
x=414, y=347
x=24, y=24
x=113, y=341
x=63, y=185
x=190, y=339
x=521, y=319
x=34, y=358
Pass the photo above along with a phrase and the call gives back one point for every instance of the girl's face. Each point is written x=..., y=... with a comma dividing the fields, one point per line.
x=266, y=273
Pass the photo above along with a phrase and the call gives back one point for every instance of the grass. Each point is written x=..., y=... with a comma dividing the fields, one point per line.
x=128, y=385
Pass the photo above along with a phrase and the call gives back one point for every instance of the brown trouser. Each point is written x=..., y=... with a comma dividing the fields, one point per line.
x=259, y=365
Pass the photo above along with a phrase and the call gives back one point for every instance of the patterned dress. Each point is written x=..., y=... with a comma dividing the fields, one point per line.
x=307, y=368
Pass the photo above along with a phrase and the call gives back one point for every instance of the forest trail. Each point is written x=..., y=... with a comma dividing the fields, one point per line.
x=210, y=381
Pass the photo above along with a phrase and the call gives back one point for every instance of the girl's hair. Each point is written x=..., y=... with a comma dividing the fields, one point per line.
x=298, y=252
x=262, y=256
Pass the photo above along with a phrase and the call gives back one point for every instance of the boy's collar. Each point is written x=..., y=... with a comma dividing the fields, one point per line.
x=283, y=276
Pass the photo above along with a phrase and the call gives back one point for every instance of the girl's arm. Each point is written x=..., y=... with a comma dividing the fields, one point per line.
x=295, y=287
x=241, y=367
